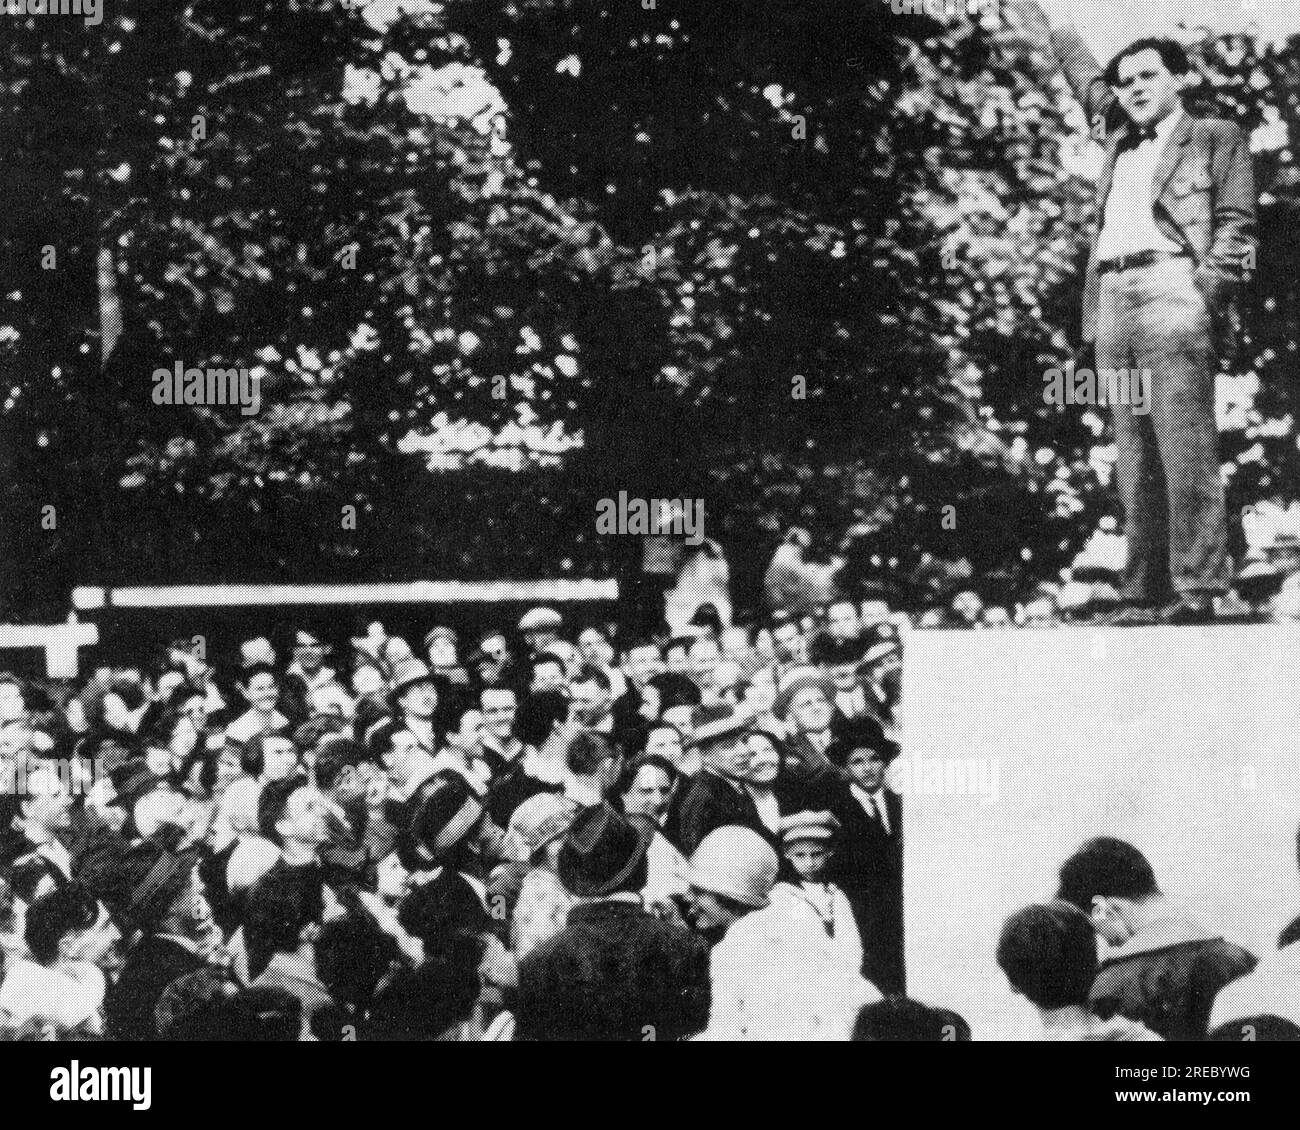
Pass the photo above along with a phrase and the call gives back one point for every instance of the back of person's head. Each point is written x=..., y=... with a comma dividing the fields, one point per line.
x=352, y=956
x=65, y=910
x=272, y=803
x=423, y=1003
x=1109, y=868
x=586, y=752
x=901, y=1019
x=1049, y=954
x=334, y=756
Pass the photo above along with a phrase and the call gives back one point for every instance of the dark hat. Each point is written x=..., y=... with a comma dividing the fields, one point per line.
x=863, y=732
x=441, y=813
x=132, y=780
x=717, y=721
x=839, y=653
x=447, y=905
x=136, y=881
x=880, y=640
x=602, y=851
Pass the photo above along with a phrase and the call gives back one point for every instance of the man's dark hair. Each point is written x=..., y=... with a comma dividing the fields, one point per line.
x=335, y=755
x=272, y=803
x=541, y=660
x=586, y=751
x=1107, y=867
x=252, y=754
x=896, y=1019
x=249, y=673
x=1171, y=54
x=65, y=910
x=590, y=674
x=639, y=762
x=1049, y=954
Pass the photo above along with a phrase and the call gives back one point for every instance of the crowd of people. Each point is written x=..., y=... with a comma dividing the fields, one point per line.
x=553, y=834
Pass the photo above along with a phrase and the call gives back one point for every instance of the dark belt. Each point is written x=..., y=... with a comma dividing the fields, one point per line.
x=1138, y=259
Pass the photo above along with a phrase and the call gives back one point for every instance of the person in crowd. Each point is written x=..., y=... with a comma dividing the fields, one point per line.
x=343, y=772
x=842, y=660
x=1049, y=954
x=261, y=690
x=731, y=788
x=414, y=701
x=807, y=847
x=903, y=1020
x=528, y=888
x=158, y=893
x=1161, y=967
x=868, y=863
x=72, y=943
x=775, y=975
x=615, y=972
x=842, y=627
x=446, y=825
x=308, y=667
x=646, y=788
x=591, y=701
x=540, y=627
x=594, y=765
x=516, y=774
x=804, y=705
x=40, y=839
x=642, y=663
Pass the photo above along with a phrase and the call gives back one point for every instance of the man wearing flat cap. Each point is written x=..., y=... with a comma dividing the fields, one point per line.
x=540, y=628
x=414, y=700
x=615, y=972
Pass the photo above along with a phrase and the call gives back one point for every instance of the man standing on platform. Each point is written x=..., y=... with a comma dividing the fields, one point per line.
x=1175, y=233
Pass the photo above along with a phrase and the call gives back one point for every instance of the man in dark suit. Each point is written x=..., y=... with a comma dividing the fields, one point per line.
x=159, y=892
x=718, y=795
x=1176, y=233
x=1161, y=967
x=868, y=860
x=615, y=972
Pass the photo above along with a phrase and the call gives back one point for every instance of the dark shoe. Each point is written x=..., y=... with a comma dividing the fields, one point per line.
x=1188, y=610
x=1130, y=616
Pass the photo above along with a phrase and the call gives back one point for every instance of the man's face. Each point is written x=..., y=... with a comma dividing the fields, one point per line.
x=442, y=652
x=1147, y=91
x=790, y=647
x=842, y=619
x=499, y=712
x=304, y=817
x=704, y=656
x=419, y=700
x=469, y=734
x=676, y=660
x=730, y=757
x=279, y=758
x=810, y=711
x=309, y=656
x=49, y=804
x=1110, y=919
x=228, y=768
x=262, y=693
x=649, y=795
x=394, y=880
x=548, y=676
x=760, y=693
x=594, y=648
x=867, y=768
x=643, y=664
x=590, y=702
x=764, y=762
x=665, y=741
x=540, y=639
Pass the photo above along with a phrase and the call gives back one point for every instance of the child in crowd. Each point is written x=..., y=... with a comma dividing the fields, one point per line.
x=807, y=845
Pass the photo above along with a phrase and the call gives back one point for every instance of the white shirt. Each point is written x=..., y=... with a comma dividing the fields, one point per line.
x=874, y=803
x=31, y=991
x=1129, y=224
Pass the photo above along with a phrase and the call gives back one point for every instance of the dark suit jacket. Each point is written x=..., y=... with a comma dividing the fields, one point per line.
x=1204, y=190
x=868, y=867
x=614, y=972
x=1166, y=976
x=708, y=802
x=152, y=965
